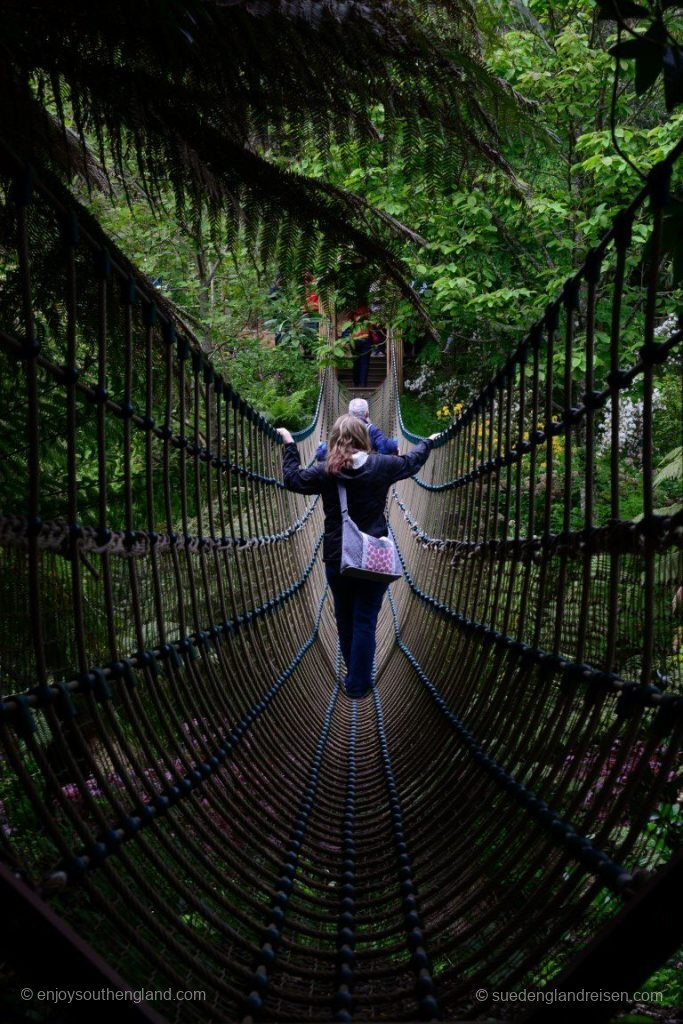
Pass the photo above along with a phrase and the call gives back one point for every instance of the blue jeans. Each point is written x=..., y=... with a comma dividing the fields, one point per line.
x=356, y=607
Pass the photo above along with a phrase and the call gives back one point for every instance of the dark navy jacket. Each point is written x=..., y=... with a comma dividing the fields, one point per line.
x=366, y=490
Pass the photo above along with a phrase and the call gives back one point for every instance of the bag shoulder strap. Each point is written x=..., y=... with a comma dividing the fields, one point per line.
x=342, y=500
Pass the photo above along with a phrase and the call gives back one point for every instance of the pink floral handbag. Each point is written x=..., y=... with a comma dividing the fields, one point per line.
x=370, y=558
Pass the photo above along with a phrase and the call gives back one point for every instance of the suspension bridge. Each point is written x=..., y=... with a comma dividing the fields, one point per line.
x=189, y=801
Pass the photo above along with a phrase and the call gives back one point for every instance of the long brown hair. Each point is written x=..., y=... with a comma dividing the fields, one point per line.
x=349, y=435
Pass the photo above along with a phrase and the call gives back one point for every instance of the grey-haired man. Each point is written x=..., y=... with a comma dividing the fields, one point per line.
x=381, y=444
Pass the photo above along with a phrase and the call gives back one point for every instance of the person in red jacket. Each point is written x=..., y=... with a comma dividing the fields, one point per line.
x=310, y=321
x=312, y=303
x=378, y=340
x=367, y=479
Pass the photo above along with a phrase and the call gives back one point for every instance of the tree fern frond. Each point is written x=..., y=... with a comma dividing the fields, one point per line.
x=203, y=93
x=671, y=467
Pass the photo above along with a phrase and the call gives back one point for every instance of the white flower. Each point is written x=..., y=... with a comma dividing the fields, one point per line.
x=630, y=425
x=667, y=327
x=420, y=384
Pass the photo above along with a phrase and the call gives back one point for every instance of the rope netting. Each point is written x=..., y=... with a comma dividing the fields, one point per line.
x=182, y=779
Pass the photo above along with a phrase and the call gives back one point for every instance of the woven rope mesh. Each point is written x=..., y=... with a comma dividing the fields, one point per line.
x=183, y=779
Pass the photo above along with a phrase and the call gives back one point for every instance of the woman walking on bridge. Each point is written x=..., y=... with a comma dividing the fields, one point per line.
x=367, y=478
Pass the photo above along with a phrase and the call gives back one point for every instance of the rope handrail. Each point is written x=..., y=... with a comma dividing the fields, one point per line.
x=301, y=435
x=97, y=679
x=148, y=811
x=573, y=674
x=629, y=536
x=59, y=537
x=563, y=832
x=656, y=190
x=98, y=396
x=78, y=226
x=541, y=436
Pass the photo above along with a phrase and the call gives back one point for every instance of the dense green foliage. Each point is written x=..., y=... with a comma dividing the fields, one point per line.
x=222, y=294
x=498, y=249
x=211, y=101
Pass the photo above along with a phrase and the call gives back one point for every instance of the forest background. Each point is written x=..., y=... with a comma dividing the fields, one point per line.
x=497, y=247
x=499, y=239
